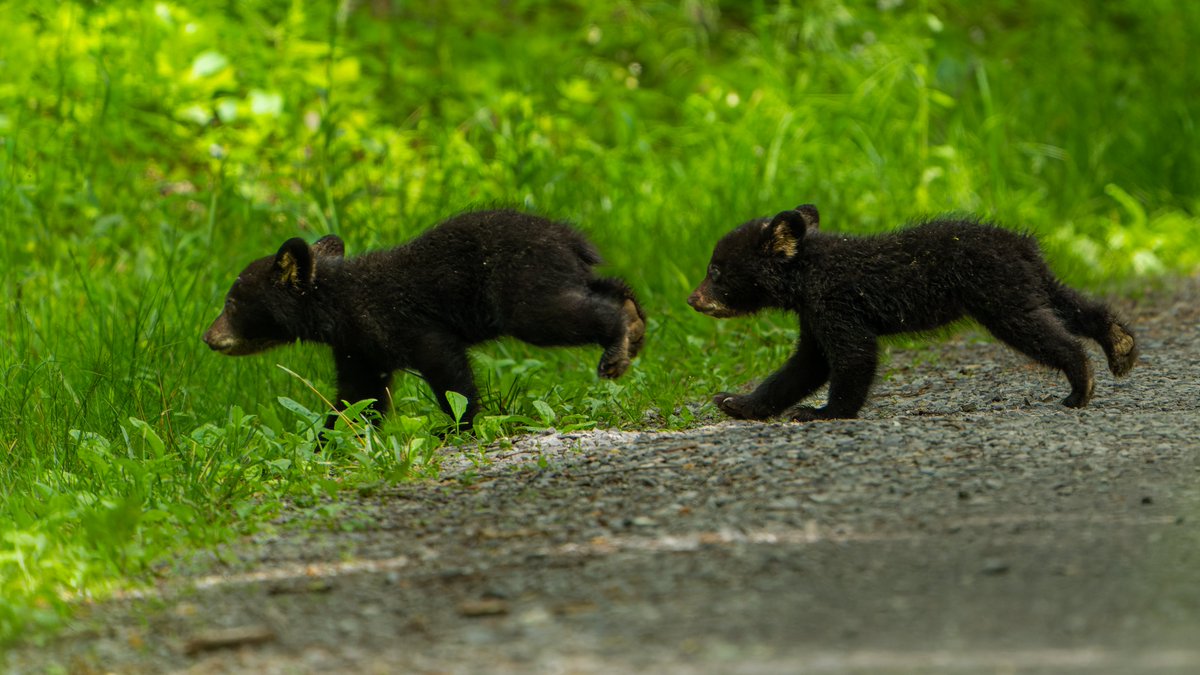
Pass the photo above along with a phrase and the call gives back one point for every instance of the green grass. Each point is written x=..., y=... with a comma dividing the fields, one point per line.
x=149, y=150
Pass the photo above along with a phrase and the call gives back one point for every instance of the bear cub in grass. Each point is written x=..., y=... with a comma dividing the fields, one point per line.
x=473, y=278
x=849, y=291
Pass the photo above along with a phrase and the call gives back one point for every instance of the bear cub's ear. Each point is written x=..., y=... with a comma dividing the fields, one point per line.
x=329, y=246
x=812, y=218
x=787, y=229
x=293, y=263
x=296, y=261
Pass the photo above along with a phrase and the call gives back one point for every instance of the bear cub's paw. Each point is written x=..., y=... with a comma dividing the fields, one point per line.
x=806, y=413
x=1080, y=397
x=616, y=359
x=739, y=407
x=635, y=327
x=1123, y=352
x=613, y=366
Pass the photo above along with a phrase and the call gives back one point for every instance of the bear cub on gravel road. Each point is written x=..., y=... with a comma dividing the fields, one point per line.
x=473, y=278
x=848, y=291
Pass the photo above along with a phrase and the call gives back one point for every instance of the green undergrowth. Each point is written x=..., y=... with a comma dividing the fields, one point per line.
x=149, y=150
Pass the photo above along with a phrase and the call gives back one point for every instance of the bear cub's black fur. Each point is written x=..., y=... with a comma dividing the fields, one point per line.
x=475, y=277
x=849, y=291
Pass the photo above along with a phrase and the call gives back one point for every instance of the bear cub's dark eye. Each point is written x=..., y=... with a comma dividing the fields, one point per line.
x=714, y=272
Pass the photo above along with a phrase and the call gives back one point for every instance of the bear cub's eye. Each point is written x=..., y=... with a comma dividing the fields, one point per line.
x=714, y=272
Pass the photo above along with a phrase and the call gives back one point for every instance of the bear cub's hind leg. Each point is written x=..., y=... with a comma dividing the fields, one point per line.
x=603, y=312
x=1043, y=337
x=1087, y=318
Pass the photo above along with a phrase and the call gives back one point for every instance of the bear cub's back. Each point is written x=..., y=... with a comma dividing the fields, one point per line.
x=472, y=271
x=936, y=251
x=503, y=247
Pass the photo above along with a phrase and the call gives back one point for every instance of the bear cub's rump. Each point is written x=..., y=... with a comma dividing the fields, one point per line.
x=849, y=291
x=473, y=278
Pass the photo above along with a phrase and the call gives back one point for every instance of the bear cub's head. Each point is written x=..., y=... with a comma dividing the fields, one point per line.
x=748, y=261
x=265, y=306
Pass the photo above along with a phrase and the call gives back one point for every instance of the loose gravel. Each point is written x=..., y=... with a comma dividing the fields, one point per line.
x=967, y=522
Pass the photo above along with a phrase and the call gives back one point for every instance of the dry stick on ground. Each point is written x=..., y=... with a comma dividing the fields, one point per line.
x=228, y=637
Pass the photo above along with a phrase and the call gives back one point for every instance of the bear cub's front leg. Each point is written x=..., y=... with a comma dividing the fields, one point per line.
x=805, y=372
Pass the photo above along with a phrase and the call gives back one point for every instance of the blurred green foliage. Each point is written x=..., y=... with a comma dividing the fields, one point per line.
x=148, y=150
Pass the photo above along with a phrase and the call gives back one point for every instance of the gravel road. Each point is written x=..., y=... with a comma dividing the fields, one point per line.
x=966, y=523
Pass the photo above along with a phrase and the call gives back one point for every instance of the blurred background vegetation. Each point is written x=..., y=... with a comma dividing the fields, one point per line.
x=148, y=150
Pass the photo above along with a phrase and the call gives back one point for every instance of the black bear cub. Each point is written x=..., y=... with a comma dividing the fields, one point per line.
x=419, y=306
x=849, y=291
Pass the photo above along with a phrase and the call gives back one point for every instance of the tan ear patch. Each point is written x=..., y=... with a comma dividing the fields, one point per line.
x=783, y=242
x=289, y=269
